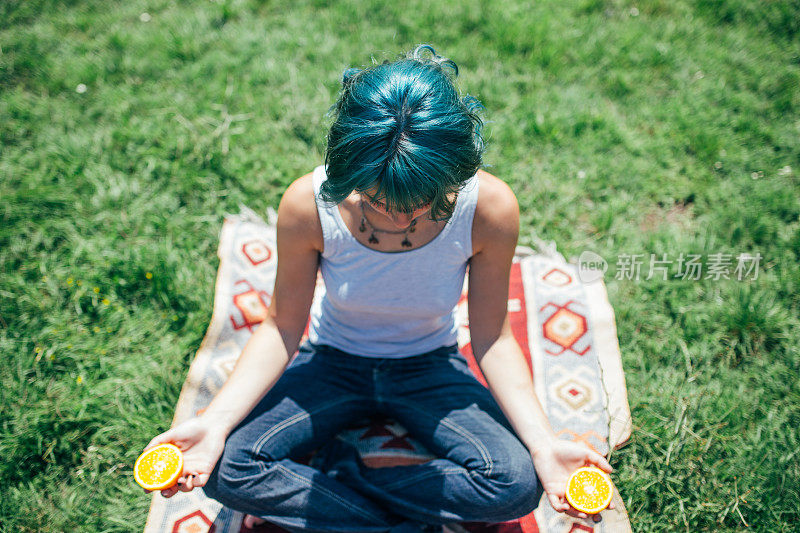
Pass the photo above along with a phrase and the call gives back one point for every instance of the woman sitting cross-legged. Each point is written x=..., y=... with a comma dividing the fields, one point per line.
x=393, y=220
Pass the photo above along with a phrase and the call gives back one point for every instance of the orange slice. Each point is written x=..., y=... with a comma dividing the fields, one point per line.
x=159, y=468
x=589, y=489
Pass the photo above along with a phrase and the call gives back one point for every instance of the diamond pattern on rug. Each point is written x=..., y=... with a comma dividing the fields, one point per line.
x=565, y=328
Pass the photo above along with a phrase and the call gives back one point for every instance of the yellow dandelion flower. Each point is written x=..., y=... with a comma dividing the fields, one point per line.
x=79, y=380
x=96, y=329
x=106, y=301
x=80, y=283
x=69, y=281
x=96, y=290
x=149, y=275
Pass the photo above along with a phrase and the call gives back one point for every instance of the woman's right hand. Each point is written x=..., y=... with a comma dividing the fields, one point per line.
x=201, y=442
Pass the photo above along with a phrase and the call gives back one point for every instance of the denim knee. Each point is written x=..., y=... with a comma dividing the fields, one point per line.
x=514, y=486
x=211, y=488
x=229, y=481
x=224, y=484
x=523, y=497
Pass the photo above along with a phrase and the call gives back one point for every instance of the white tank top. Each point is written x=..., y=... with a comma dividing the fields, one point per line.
x=391, y=304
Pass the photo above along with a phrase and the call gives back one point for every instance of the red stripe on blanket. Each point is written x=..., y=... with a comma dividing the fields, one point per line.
x=517, y=317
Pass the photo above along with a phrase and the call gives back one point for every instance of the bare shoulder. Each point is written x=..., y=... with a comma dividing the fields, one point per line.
x=496, y=213
x=298, y=218
x=494, y=195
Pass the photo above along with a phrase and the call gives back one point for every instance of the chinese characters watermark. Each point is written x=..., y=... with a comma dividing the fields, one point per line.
x=686, y=266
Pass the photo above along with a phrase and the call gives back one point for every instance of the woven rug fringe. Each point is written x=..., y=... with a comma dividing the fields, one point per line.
x=246, y=214
x=541, y=247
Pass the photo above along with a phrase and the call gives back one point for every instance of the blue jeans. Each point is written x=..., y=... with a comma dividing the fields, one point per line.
x=483, y=473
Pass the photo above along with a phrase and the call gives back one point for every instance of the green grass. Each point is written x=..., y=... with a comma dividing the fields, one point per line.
x=660, y=127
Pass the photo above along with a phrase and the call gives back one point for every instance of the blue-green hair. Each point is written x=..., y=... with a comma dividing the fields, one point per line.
x=403, y=126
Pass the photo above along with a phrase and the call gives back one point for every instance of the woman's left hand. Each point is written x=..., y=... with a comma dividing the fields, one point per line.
x=556, y=462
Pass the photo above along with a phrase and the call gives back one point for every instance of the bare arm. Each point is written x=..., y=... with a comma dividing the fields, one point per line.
x=267, y=353
x=495, y=233
x=501, y=359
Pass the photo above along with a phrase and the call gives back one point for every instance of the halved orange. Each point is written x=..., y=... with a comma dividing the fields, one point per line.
x=159, y=468
x=589, y=489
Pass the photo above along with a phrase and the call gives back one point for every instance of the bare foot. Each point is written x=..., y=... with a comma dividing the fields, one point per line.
x=251, y=521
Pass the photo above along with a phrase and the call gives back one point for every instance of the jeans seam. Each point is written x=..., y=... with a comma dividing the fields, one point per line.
x=424, y=475
x=485, y=455
x=264, y=438
x=323, y=490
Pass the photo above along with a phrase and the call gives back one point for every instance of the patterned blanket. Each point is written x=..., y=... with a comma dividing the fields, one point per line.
x=565, y=328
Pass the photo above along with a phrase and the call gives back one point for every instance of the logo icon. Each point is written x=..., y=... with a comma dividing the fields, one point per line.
x=591, y=267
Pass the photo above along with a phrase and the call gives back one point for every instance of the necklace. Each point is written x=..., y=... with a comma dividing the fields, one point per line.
x=374, y=240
